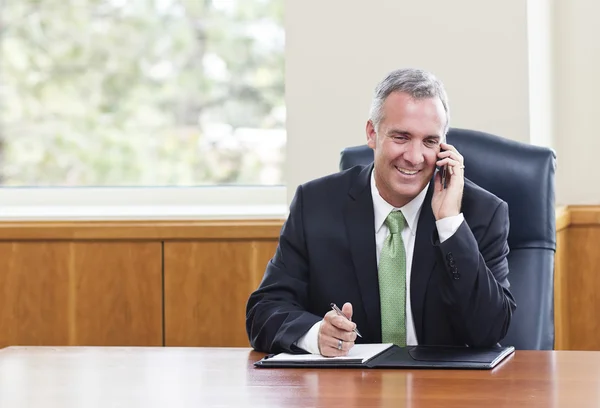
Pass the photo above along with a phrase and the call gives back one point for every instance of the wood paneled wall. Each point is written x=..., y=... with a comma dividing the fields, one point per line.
x=207, y=284
x=560, y=279
x=80, y=293
x=180, y=283
x=130, y=283
x=577, y=279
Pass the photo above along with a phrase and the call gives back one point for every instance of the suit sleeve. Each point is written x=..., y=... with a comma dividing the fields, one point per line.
x=276, y=313
x=476, y=281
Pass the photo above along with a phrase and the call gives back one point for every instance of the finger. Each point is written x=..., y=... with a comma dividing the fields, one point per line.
x=448, y=147
x=344, y=335
x=330, y=347
x=340, y=322
x=449, y=162
x=343, y=324
x=347, y=310
x=451, y=154
x=328, y=344
x=333, y=352
x=328, y=351
x=329, y=330
x=333, y=343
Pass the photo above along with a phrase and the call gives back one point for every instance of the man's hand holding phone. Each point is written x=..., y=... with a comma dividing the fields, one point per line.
x=449, y=183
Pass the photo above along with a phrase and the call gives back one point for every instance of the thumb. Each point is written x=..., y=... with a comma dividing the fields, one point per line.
x=347, y=310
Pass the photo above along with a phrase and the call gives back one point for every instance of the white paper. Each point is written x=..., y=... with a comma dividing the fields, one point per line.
x=360, y=353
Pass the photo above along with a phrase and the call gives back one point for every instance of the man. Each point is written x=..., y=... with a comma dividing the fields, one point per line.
x=412, y=258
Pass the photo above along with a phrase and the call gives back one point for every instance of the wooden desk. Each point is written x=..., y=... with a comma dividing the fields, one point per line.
x=209, y=377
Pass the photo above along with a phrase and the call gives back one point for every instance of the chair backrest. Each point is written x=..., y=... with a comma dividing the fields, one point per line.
x=523, y=176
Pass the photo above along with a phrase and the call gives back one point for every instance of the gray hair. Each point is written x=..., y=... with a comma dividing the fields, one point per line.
x=417, y=83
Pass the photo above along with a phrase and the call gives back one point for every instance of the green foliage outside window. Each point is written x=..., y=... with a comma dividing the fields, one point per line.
x=141, y=92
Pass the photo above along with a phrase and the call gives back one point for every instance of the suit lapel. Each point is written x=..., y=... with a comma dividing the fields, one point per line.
x=423, y=262
x=360, y=227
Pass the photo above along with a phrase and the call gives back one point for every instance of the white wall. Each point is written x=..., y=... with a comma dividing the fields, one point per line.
x=540, y=35
x=337, y=50
x=577, y=85
x=527, y=70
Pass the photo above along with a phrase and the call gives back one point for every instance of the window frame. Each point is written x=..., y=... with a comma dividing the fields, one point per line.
x=142, y=203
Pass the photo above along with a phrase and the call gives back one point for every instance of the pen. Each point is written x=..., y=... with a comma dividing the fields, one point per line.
x=339, y=312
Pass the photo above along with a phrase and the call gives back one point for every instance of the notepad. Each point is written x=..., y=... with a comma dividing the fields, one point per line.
x=360, y=353
x=388, y=355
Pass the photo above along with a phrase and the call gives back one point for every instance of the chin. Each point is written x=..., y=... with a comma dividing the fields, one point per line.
x=411, y=191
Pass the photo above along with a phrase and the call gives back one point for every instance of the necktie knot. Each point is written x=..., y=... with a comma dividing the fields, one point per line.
x=395, y=222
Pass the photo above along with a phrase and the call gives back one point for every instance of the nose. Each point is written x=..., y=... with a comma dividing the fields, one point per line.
x=414, y=154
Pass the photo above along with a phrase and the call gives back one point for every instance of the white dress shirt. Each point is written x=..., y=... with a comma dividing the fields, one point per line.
x=446, y=228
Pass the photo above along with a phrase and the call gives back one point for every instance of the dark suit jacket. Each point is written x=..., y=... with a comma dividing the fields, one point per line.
x=326, y=253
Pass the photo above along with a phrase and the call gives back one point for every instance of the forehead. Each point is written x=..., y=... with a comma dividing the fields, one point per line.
x=427, y=114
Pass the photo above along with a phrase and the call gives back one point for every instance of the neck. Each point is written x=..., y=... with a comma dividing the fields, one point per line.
x=387, y=194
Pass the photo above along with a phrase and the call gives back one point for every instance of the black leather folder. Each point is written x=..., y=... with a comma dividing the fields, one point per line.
x=432, y=357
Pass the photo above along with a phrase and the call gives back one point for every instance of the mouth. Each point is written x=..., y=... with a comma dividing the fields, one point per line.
x=406, y=172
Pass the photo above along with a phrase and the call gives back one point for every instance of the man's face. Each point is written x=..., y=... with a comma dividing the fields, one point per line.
x=406, y=145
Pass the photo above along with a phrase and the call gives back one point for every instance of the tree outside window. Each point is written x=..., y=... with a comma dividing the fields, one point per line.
x=141, y=92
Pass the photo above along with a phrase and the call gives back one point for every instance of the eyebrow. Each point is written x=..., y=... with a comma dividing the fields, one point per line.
x=407, y=133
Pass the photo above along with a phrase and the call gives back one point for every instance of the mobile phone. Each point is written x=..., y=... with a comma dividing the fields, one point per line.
x=443, y=170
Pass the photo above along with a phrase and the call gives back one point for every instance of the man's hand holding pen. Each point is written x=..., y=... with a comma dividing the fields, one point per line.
x=337, y=333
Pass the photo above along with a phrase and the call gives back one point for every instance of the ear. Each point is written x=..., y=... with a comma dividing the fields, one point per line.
x=371, y=134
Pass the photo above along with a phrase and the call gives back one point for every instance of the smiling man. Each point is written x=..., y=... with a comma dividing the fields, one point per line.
x=413, y=259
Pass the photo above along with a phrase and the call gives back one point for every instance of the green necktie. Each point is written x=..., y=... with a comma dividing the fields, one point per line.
x=392, y=282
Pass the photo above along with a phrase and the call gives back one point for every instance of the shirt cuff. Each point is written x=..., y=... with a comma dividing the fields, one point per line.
x=309, y=342
x=447, y=226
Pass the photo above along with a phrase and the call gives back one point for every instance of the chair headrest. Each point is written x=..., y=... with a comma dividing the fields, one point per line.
x=518, y=173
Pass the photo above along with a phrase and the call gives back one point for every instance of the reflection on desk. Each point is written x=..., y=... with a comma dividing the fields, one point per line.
x=208, y=377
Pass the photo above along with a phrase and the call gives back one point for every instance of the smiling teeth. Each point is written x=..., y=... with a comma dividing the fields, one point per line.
x=407, y=172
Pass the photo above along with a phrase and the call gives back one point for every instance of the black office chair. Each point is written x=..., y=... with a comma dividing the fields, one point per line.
x=523, y=176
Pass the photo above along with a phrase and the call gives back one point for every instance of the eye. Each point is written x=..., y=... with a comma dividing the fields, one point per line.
x=431, y=142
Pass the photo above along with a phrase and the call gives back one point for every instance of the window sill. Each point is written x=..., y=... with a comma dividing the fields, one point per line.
x=141, y=212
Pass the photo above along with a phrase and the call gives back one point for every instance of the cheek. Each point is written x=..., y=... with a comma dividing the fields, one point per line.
x=393, y=150
x=431, y=158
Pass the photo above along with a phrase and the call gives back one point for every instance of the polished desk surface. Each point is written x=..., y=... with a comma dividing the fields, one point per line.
x=224, y=377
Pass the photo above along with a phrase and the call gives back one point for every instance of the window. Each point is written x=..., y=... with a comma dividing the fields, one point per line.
x=141, y=93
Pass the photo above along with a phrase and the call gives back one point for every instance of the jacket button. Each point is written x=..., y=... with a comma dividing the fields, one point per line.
x=449, y=256
x=456, y=276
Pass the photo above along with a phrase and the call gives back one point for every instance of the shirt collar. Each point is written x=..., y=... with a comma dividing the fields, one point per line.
x=382, y=208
